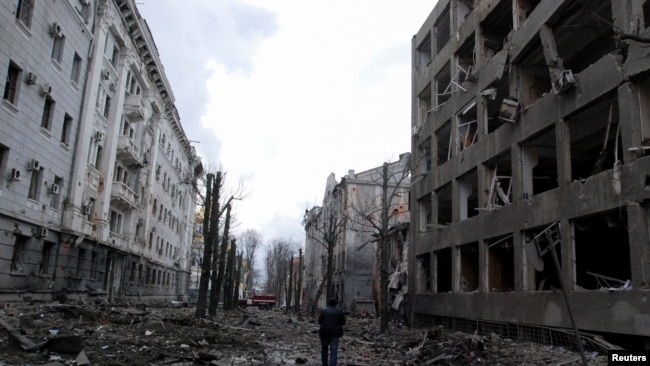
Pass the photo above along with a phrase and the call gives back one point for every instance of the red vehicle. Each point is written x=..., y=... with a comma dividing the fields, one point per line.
x=261, y=301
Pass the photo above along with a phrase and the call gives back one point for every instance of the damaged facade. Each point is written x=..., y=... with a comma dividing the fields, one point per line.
x=355, y=255
x=96, y=172
x=531, y=120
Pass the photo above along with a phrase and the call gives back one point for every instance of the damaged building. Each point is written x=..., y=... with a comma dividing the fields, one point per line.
x=96, y=173
x=348, y=218
x=531, y=123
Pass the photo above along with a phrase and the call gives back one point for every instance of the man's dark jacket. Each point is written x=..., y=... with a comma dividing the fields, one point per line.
x=331, y=320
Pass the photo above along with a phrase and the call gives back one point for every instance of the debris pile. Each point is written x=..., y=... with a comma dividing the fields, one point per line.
x=87, y=334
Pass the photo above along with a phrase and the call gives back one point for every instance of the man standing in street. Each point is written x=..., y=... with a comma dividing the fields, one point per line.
x=331, y=322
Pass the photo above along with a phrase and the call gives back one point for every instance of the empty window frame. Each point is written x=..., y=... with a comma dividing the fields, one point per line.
x=602, y=250
x=66, y=127
x=55, y=193
x=443, y=86
x=539, y=164
x=57, y=48
x=468, y=195
x=595, y=138
x=116, y=222
x=75, y=72
x=48, y=112
x=443, y=270
x=466, y=60
x=423, y=54
x=495, y=27
x=501, y=263
x=443, y=143
x=467, y=123
x=495, y=96
x=46, y=257
x=442, y=29
x=426, y=156
x=423, y=275
x=35, y=184
x=24, y=12
x=499, y=181
x=425, y=209
x=469, y=267
x=18, y=256
x=535, y=75
x=444, y=206
x=12, y=83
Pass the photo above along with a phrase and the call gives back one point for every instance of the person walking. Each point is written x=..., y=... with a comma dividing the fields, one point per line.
x=331, y=320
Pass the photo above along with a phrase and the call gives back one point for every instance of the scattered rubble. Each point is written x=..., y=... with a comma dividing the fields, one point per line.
x=63, y=334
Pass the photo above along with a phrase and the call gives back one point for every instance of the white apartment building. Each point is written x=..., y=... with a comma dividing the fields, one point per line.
x=96, y=172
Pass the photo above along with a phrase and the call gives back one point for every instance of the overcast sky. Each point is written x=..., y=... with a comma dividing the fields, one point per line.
x=281, y=93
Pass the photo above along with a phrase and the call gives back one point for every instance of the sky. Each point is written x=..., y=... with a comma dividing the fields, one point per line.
x=281, y=93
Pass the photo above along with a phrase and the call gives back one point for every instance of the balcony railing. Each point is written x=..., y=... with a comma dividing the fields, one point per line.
x=128, y=151
x=123, y=196
x=134, y=107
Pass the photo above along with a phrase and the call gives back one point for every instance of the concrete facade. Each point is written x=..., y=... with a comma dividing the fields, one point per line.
x=530, y=119
x=355, y=253
x=96, y=172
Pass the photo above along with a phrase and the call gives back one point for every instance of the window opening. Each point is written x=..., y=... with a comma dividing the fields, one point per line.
x=499, y=177
x=539, y=164
x=48, y=111
x=469, y=268
x=467, y=127
x=57, y=48
x=442, y=28
x=468, y=195
x=443, y=85
x=17, y=258
x=443, y=143
x=75, y=73
x=501, y=263
x=443, y=270
x=496, y=27
x=443, y=195
x=426, y=214
x=46, y=255
x=12, y=83
x=81, y=259
x=24, y=12
x=35, y=184
x=538, y=244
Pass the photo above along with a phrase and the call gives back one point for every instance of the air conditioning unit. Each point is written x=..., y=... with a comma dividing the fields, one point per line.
x=46, y=90
x=55, y=30
x=99, y=136
x=41, y=232
x=34, y=165
x=31, y=78
x=15, y=175
x=105, y=74
x=86, y=210
x=564, y=82
x=55, y=188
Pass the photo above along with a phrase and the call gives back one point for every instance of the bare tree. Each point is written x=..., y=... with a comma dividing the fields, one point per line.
x=381, y=212
x=326, y=226
x=249, y=240
x=278, y=262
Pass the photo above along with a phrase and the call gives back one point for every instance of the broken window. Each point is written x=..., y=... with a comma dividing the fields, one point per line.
x=496, y=27
x=17, y=258
x=468, y=195
x=443, y=143
x=495, y=96
x=501, y=264
x=463, y=8
x=499, y=180
x=81, y=260
x=46, y=255
x=539, y=164
x=469, y=267
x=423, y=54
x=602, y=250
x=425, y=209
x=443, y=197
x=467, y=126
x=443, y=270
x=538, y=243
x=595, y=138
x=443, y=85
x=443, y=29
x=466, y=61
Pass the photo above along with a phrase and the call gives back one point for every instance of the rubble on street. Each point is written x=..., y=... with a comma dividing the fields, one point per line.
x=108, y=334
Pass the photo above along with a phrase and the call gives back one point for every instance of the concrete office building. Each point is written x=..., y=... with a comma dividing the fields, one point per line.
x=96, y=172
x=531, y=120
x=341, y=216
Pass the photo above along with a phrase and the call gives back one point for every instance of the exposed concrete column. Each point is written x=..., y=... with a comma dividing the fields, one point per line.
x=628, y=15
x=483, y=267
x=455, y=268
x=516, y=158
x=563, y=152
x=639, y=237
x=629, y=120
x=522, y=269
x=484, y=183
x=567, y=251
x=456, y=206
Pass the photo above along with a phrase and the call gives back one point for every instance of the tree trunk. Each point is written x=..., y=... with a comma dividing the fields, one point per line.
x=209, y=216
x=383, y=247
x=218, y=283
x=290, y=287
x=229, y=277
x=296, y=299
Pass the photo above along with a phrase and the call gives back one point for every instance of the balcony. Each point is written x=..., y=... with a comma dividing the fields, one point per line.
x=128, y=152
x=123, y=196
x=134, y=107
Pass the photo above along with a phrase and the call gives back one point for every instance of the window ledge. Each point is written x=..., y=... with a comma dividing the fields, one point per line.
x=10, y=107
